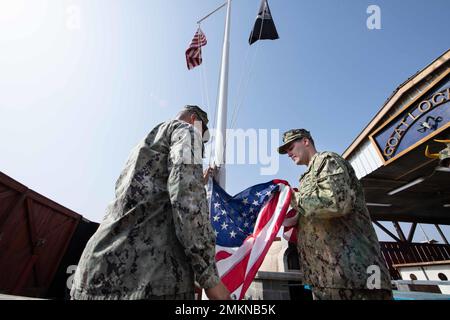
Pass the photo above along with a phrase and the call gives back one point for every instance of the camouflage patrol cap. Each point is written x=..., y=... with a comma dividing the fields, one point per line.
x=203, y=116
x=292, y=135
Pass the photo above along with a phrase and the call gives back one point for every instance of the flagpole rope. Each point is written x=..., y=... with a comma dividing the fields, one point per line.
x=203, y=85
x=239, y=91
x=213, y=138
x=203, y=79
x=252, y=62
x=203, y=71
x=205, y=88
x=240, y=100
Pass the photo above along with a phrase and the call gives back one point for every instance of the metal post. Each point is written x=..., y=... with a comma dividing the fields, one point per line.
x=379, y=225
x=399, y=231
x=411, y=232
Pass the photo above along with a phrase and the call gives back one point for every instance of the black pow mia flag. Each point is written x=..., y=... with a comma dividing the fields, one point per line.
x=264, y=26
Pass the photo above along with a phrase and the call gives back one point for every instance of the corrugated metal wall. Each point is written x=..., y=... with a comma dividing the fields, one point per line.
x=365, y=159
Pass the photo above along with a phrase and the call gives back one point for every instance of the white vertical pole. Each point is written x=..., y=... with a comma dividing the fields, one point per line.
x=220, y=152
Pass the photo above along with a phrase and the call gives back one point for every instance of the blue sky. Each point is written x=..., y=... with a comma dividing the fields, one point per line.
x=82, y=82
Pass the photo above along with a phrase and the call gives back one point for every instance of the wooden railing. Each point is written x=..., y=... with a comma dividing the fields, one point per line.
x=403, y=252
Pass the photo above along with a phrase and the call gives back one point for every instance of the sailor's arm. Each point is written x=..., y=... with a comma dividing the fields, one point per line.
x=190, y=211
x=330, y=196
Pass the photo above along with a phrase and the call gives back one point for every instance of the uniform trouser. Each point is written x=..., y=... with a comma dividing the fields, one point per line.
x=351, y=294
x=180, y=296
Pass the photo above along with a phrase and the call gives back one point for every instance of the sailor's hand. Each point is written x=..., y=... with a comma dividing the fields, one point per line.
x=219, y=292
x=208, y=172
x=295, y=200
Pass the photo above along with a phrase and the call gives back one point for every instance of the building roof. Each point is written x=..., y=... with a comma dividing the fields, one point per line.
x=406, y=187
x=401, y=90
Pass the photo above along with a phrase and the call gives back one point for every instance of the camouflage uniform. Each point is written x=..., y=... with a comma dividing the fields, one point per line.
x=351, y=294
x=336, y=239
x=156, y=233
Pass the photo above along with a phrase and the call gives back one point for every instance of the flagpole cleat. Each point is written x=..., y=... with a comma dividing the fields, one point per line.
x=443, y=155
x=431, y=155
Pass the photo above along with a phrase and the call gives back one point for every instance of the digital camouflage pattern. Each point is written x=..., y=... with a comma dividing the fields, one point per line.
x=290, y=136
x=336, y=240
x=156, y=233
x=351, y=294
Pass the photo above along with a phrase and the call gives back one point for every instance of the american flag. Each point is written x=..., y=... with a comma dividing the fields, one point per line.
x=245, y=226
x=194, y=52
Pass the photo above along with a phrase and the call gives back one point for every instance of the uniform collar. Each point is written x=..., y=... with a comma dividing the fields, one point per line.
x=311, y=161
x=310, y=164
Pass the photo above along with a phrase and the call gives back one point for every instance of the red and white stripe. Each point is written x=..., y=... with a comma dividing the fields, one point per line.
x=194, y=52
x=238, y=266
x=290, y=226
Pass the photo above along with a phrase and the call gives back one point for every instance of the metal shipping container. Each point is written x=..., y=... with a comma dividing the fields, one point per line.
x=35, y=233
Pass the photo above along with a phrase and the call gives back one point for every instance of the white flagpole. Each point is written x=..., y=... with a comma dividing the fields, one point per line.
x=220, y=153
